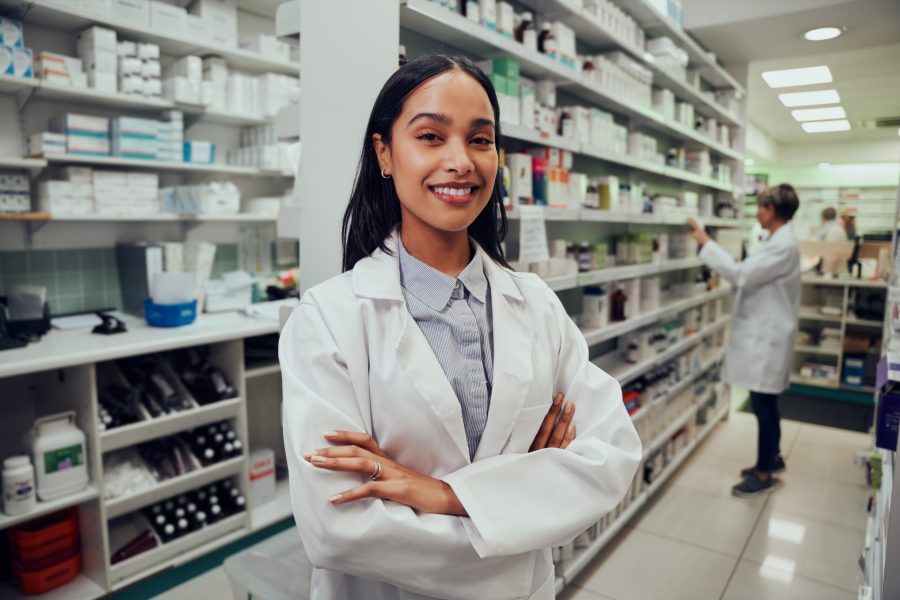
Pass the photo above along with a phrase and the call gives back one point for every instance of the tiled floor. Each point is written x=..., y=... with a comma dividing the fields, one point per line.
x=697, y=542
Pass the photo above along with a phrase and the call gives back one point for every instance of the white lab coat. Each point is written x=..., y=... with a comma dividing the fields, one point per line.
x=760, y=351
x=353, y=358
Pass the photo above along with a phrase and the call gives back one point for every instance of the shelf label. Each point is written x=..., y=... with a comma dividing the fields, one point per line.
x=532, y=235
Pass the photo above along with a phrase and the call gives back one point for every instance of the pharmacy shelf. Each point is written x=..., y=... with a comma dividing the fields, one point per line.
x=595, y=336
x=60, y=349
x=179, y=551
x=430, y=19
x=807, y=349
x=161, y=217
x=656, y=24
x=151, y=429
x=552, y=213
x=585, y=556
x=68, y=16
x=67, y=93
x=632, y=271
x=82, y=587
x=842, y=282
x=820, y=382
x=159, y=165
x=864, y=322
x=592, y=33
x=15, y=162
x=176, y=485
x=220, y=117
x=50, y=506
x=10, y=84
x=262, y=371
x=524, y=134
x=812, y=313
x=624, y=372
x=275, y=510
x=678, y=387
x=676, y=425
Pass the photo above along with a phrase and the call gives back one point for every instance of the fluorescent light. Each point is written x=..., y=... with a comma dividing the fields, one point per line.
x=795, y=77
x=819, y=114
x=810, y=98
x=824, y=165
x=822, y=33
x=822, y=126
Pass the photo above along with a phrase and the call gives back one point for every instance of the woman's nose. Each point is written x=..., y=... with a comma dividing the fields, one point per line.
x=457, y=158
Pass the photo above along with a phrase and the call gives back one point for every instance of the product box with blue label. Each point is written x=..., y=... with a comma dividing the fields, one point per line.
x=887, y=417
x=199, y=152
x=11, y=33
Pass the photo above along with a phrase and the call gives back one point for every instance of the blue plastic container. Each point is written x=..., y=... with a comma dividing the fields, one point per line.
x=170, y=315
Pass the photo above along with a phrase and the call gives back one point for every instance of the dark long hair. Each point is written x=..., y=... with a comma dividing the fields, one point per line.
x=374, y=208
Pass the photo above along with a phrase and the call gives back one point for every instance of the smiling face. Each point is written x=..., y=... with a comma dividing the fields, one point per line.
x=442, y=154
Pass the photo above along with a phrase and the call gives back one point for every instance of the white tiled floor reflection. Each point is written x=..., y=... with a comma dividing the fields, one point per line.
x=801, y=542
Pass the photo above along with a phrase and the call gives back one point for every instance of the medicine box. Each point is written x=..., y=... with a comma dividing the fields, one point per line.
x=16, y=61
x=199, y=152
x=168, y=18
x=102, y=81
x=126, y=48
x=73, y=123
x=98, y=38
x=134, y=12
x=43, y=143
x=11, y=33
x=262, y=476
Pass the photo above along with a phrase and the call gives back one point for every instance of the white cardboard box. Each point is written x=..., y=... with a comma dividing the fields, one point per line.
x=168, y=18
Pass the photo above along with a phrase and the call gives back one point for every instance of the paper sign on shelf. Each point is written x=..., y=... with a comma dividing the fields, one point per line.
x=532, y=235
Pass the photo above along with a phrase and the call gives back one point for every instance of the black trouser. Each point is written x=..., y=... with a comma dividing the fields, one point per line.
x=765, y=407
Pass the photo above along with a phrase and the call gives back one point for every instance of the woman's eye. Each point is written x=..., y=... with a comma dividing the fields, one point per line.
x=483, y=141
x=427, y=137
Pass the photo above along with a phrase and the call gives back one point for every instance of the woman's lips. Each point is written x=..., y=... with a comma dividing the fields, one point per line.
x=454, y=195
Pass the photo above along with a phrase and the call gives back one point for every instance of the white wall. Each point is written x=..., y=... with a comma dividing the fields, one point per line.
x=340, y=84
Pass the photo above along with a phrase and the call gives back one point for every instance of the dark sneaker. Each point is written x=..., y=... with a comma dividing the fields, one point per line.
x=779, y=468
x=753, y=486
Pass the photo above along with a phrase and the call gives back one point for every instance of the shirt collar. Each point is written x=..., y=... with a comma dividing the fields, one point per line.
x=435, y=288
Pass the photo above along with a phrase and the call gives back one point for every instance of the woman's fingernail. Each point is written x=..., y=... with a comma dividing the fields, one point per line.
x=336, y=497
x=307, y=456
x=318, y=459
x=569, y=407
x=557, y=399
x=330, y=434
x=571, y=431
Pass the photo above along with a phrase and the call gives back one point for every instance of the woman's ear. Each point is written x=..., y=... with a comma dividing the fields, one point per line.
x=382, y=153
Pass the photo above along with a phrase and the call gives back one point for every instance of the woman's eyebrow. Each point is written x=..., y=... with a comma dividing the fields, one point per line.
x=439, y=117
x=482, y=123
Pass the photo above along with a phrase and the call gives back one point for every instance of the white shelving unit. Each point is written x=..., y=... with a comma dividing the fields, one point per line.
x=65, y=16
x=811, y=317
x=84, y=369
x=159, y=165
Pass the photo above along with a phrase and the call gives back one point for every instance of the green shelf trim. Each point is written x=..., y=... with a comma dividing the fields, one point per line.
x=848, y=396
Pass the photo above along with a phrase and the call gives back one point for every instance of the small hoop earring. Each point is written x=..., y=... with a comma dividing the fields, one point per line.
x=384, y=175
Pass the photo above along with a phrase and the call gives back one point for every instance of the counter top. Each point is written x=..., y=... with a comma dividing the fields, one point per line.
x=59, y=349
x=844, y=282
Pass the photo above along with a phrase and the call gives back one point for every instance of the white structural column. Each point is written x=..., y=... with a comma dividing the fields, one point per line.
x=348, y=49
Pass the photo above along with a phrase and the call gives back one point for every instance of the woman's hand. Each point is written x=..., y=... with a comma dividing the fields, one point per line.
x=698, y=232
x=358, y=453
x=557, y=430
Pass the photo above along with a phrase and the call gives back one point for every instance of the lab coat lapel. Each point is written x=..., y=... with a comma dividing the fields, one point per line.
x=378, y=277
x=513, y=370
x=418, y=361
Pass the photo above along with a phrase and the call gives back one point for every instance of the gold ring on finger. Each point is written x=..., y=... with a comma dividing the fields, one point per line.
x=377, y=472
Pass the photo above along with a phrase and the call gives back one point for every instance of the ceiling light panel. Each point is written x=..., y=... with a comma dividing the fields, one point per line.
x=819, y=114
x=796, y=77
x=822, y=33
x=809, y=98
x=823, y=126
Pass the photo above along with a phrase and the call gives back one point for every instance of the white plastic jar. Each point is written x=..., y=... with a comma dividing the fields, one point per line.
x=18, y=485
x=60, y=456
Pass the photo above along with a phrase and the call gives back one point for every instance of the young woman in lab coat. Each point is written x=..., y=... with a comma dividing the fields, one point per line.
x=422, y=387
x=761, y=347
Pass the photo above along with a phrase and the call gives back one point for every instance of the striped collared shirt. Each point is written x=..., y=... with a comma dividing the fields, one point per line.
x=454, y=314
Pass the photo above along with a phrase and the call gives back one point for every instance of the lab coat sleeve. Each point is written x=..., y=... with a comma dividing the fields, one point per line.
x=761, y=267
x=377, y=540
x=519, y=502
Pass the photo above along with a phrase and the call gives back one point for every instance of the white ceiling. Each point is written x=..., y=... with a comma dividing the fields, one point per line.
x=767, y=34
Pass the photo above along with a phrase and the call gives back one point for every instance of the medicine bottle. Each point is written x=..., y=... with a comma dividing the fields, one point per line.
x=18, y=485
x=547, y=41
x=526, y=34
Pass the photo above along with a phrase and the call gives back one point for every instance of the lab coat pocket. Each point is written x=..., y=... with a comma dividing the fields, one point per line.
x=525, y=429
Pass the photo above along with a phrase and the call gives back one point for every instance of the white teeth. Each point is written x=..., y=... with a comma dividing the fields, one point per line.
x=448, y=191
